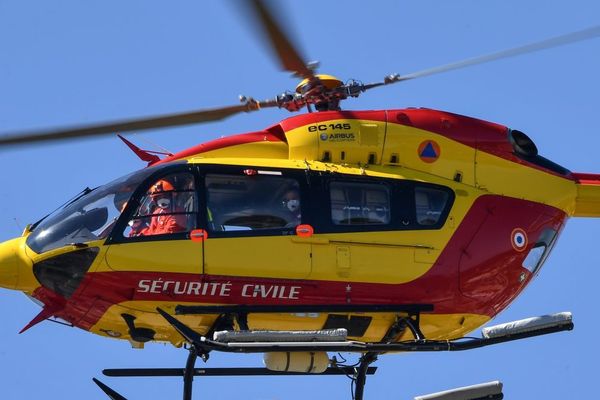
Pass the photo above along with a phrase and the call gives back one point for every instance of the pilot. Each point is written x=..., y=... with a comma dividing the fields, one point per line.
x=166, y=217
x=291, y=202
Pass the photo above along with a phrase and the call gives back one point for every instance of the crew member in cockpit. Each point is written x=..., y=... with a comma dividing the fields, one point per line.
x=165, y=215
x=291, y=202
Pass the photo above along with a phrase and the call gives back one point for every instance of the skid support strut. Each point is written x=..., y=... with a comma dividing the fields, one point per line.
x=361, y=374
x=370, y=357
x=188, y=375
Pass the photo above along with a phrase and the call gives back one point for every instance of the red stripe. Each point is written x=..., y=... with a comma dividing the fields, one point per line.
x=586, y=178
x=477, y=272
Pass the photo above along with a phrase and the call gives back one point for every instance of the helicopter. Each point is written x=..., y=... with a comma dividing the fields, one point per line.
x=288, y=294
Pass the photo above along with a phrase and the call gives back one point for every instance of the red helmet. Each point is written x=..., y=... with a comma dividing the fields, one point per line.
x=161, y=186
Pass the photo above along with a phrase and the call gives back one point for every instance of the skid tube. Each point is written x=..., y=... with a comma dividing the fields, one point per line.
x=420, y=344
x=201, y=346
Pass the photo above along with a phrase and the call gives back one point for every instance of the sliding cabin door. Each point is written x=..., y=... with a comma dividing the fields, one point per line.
x=252, y=215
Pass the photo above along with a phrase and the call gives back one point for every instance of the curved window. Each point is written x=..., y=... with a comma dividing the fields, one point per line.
x=89, y=217
x=168, y=206
x=251, y=203
x=430, y=204
x=540, y=251
x=358, y=203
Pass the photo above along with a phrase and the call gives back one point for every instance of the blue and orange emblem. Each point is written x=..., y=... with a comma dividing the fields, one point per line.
x=519, y=239
x=429, y=151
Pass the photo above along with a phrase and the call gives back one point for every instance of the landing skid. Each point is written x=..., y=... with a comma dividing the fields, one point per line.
x=201, y=346
x=189, y=372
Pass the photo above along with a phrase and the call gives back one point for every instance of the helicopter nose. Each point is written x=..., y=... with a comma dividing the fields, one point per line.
x=15, y=266
x=9, y=265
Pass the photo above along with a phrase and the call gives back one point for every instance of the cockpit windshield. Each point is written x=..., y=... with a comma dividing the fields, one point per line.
x=90, y=217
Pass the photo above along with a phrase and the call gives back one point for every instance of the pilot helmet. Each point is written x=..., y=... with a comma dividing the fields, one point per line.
x=159, y=194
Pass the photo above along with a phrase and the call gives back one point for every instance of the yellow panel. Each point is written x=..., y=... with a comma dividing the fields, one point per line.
x=349, y=256
x=404, y=141
x=588, y=201
x=61, y=250
x=302, y=144
x=268, y=256
x=426, y=256
x=447, y=326
x=354, y=145
x=345, y=140
x=156, y=256
x=273, y=150
x=503, y=177
x=343, y=261
x=372, y=134
x=16, y=271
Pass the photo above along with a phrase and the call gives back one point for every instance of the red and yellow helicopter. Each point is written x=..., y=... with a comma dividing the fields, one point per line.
x=334, y=230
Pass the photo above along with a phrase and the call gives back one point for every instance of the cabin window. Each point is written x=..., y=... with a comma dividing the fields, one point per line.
x=252, y=202
x=540, y=251
x=430, y=203
x=168, y=206
x=358, y=203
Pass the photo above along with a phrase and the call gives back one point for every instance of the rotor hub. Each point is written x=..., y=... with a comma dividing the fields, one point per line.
x=328, y=81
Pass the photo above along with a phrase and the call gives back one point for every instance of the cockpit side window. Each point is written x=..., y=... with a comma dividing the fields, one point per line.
x=168, y=206
x=237, y=203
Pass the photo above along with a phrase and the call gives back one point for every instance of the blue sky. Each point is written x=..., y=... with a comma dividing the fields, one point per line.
x=71, y=62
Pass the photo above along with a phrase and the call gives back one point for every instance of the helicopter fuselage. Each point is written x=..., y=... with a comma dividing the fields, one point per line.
x=410, y=207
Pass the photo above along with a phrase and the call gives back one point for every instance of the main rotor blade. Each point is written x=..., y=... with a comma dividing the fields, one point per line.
x=529, y=48
x=281, y=43
x=179, y=119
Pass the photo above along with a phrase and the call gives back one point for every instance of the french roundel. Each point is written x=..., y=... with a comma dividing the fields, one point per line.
x=519, y=239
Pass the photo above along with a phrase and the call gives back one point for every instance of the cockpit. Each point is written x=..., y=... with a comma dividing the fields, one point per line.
x=89, y=217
